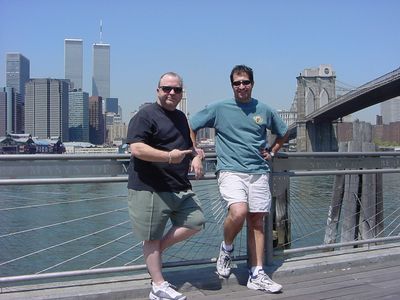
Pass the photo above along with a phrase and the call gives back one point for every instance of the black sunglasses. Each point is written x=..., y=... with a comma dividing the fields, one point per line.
x=239, y=82
x=168, y=89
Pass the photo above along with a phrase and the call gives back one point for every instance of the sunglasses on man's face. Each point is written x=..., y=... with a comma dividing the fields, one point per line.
x=239, y=82
x=168, y=89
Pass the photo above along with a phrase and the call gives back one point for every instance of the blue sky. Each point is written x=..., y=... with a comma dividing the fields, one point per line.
x=203, y=40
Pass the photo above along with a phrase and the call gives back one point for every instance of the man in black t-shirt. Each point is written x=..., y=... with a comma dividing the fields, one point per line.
x=158, y=184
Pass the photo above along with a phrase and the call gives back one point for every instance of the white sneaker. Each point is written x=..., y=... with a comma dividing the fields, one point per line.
x=224, y=262
x=165, y=291
x=262, y=282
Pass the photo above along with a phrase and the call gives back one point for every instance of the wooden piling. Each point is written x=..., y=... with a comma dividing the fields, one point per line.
x=368, y=200
x=361, y=211
x=280, y=194
x=332, y=222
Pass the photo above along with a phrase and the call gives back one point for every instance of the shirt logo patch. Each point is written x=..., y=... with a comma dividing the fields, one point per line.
x=258, y=119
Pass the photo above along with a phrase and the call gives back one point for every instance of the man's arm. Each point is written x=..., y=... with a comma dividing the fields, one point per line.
x=148, y=153
x=278, y=143
x=198, y=156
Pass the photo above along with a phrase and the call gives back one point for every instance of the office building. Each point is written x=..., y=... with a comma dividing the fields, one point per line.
x=289, y=117
x=11, y=119
x=390, y=110
x=116, y=133
x=17, y=72
x=73, y=62
x=46, y=108
x=120, y=111
x=112, y=105
x=96, y=121
x=101, y=71
x=183, y=104
x=78, y=116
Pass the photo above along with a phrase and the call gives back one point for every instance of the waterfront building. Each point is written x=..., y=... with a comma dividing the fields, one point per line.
x=387, y=133
x=46, y=108
x=78, y=116
x=26, y=144
x=96, y=120
x=390, y=110
x=120, y=111
x=115, y=129
x=183, y=104
x=101, y=70
x=206, y=136
x=112, y=105
x=73, y=62
x=17, y=72
x=109, y=117
x=11, y=111
x=289, y=117
x=116, y=133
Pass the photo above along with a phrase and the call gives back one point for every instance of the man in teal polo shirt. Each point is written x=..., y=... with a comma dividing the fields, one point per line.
x=241, y=125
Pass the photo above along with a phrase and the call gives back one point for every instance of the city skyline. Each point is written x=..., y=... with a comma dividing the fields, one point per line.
x=278, y=40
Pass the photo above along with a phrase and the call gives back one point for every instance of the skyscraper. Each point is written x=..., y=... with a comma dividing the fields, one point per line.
x=96, y=120
x=183, y=104
x=390, y=110
x=73, y=62
x=17, y=72
x=78, y=118
x=11, y=119
x=101, y=70
x=46, y=108
x=112, y=105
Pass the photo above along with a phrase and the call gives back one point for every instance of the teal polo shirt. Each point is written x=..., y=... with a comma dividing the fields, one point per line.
x=241, y=132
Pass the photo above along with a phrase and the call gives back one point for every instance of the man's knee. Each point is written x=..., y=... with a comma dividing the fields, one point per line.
x=256, y=220
x=238, y=212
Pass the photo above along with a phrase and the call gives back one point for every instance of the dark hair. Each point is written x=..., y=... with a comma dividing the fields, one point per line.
x=173, y=74
x=238, y=69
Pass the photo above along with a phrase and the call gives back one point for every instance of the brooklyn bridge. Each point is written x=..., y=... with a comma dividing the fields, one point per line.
x=316, y=109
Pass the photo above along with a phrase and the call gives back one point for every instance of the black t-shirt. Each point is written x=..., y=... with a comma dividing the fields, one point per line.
x=163, y=130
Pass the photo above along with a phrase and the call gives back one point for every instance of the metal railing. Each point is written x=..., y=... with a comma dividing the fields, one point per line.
x=51, y=170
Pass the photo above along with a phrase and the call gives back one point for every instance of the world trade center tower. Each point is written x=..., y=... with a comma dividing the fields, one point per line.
x=73, y=62
x=101, y=70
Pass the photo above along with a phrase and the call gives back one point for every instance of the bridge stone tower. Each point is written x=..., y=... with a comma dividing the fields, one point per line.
x=315, y=88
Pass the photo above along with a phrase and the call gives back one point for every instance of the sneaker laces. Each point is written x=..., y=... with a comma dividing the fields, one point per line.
x=265, y=278
x=227, y=260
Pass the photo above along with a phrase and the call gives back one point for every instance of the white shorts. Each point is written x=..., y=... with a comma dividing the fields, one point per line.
x=242, y=187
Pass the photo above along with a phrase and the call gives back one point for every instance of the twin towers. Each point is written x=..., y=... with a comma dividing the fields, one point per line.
x=73, y=66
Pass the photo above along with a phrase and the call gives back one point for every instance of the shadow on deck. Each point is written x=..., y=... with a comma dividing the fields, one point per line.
x=362, y=273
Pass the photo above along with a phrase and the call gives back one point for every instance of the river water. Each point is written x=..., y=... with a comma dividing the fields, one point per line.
x=52, y=228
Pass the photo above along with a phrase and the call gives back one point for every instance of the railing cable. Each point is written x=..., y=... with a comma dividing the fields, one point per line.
x=61, y=223
x=84, y=253
x=63, y=243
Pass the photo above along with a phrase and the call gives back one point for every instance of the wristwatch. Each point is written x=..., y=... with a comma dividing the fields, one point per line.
x=272, y=154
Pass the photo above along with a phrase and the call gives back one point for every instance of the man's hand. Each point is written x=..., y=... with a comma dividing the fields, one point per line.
x=200, y=152
x=197, y=167
x=176, y=156
x=266, y=154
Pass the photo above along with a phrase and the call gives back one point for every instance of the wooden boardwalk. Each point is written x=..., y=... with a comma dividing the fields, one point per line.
x=362, y=273
x=376, y=281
